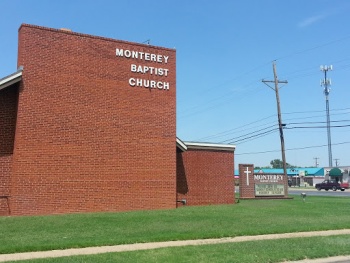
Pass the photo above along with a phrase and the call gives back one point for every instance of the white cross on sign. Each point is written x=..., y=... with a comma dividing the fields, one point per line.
x=247, y=172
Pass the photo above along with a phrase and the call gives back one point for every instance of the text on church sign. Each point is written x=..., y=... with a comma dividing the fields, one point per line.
x=269, y=185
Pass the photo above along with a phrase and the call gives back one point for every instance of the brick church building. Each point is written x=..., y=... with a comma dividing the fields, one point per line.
x=88, y=124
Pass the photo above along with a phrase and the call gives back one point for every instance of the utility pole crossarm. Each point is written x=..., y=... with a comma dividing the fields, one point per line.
x=267, y=81
x=272, y=81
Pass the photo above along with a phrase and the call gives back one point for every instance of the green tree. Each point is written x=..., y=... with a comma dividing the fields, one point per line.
x=262, y=167
x=277, y=163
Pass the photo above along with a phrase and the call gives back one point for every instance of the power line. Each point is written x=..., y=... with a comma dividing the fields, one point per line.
x=315, y=116
x=235, y=138
x=317, y=127
x=218, y=101
x=310, y=71
x=236, y=77
x=313, y=48
x=215, y=102
x=255, y=136
x=239, y=129
x=292, y=128
x=316, y=122
x=256, y=68
x=298, y=112
x=249, y=137
x=245, y=137
x=293, y=149
x=227, y=132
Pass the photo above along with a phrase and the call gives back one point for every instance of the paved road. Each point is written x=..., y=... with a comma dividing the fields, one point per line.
x=314, y=192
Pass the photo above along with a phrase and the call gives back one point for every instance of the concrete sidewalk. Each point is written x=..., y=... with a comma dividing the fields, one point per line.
x=154, y=245
x=302, y=188
x=338, y=259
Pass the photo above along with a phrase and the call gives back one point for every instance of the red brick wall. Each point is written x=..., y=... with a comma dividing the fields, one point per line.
x=205, y=177
x=85, y=139
x=8, y=110
x=246, y=188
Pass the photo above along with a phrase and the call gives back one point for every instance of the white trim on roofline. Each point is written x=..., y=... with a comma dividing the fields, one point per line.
x=181, y=145
x=210, y=146
x=10, y=79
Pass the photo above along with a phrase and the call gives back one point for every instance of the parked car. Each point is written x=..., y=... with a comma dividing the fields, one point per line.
x=345, y=185
x=329, y=184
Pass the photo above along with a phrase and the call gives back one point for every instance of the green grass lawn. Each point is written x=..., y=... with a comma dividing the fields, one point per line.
x=249, y=217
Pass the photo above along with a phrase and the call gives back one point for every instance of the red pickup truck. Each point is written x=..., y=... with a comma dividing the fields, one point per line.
x=329, y=184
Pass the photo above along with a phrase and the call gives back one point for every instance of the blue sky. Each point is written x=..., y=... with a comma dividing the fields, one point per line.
x=224, y=49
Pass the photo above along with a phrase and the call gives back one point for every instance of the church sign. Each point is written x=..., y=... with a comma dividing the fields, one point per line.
x=269, y=184
x=261, y=185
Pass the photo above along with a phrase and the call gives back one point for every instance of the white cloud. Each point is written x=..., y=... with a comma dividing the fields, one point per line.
x=317, y=18
x=312, y=20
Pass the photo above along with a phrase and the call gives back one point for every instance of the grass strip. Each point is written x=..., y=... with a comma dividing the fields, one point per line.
x=249, y=217
x=245, y=252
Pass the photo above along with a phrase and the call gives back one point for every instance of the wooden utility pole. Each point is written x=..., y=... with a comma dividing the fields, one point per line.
x=336, y=162
x=316, y=161
x=280, y=125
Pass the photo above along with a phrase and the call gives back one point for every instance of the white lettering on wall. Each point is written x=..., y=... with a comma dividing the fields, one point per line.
x=142, y=69
x=141, y=55
x=146, y=83
x=150, y=70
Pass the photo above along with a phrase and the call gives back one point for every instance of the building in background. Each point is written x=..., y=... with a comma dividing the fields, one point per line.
x=340, y=174
x=310, y=176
